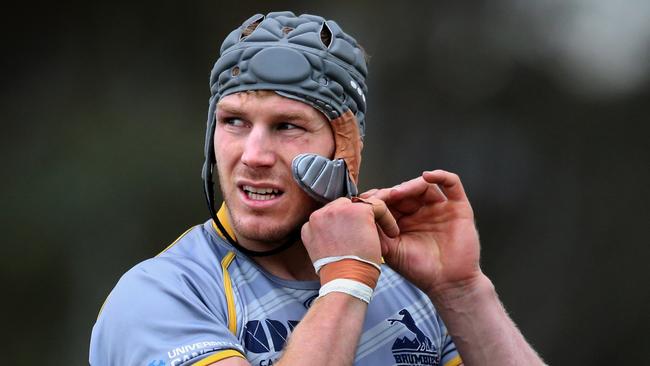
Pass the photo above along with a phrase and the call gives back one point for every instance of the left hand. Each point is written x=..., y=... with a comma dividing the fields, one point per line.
x=437, y=248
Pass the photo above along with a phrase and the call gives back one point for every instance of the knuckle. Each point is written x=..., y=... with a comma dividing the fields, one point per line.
x=305, y=233
x=315, y=216
x=339, y=201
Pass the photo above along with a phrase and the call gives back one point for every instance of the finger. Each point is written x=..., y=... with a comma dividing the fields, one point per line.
x=368, y=193
x=413, y=187
x=383, y=217
x=382, y=194
x=418, y=189
x=397, y=203
x=401, y=206
x=386, y=244
x=449, y=183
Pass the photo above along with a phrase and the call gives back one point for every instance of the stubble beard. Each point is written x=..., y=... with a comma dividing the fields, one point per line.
x=266, y=233
x=270, y=236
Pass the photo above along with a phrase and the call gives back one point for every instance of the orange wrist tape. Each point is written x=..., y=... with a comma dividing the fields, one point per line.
x=352, y=270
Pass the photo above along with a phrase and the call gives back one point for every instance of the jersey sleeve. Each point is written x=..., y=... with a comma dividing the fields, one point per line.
x=448, y=355
x=164, y=311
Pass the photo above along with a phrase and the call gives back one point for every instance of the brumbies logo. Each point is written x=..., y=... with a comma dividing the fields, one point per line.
x=413, y=351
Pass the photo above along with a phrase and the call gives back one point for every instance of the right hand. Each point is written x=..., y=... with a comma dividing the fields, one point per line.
x=343, y=227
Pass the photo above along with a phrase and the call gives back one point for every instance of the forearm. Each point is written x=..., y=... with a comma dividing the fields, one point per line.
x=480, y=327
x=328, y=334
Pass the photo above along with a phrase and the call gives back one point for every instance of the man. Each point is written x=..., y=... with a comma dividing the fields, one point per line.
x=291, y=269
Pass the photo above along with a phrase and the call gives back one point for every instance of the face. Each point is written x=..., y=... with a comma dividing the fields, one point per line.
x=257, y=135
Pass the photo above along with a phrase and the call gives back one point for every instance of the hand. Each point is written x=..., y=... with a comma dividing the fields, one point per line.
x=437, y=248
x=343, y=227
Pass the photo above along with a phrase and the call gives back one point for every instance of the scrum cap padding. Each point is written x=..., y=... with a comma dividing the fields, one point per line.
x=286, y=53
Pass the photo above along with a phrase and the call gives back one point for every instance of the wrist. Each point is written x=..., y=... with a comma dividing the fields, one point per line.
x=480, y=327
x=353, y=288
x=351, y=275
x=468, y=292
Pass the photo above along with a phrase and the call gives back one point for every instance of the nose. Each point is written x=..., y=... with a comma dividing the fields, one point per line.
x=259, y=149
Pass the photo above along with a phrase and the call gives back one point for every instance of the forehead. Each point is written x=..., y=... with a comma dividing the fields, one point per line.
x=267, y=102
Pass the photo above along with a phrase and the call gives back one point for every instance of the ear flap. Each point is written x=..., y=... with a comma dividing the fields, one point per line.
x=348, y=143
x=326, y=180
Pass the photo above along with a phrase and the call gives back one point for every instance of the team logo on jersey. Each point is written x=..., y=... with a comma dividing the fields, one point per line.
x=267, y=336
x=415, y=351
x=264, y=339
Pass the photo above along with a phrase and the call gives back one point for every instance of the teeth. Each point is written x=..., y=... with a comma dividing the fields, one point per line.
x=260, y=197
x=260, y=194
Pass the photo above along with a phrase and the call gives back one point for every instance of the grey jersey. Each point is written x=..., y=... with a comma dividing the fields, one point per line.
x=201, y=301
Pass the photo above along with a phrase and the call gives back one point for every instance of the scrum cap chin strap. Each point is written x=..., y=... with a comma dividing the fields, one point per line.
x=309, y=59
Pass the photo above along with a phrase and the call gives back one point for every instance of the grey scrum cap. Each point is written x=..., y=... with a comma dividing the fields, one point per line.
x=309, y=59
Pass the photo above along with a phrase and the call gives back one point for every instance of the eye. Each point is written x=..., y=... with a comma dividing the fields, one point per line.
x=287, y=126
x=235, y=122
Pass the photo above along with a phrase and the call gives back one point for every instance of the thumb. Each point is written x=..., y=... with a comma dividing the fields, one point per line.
x=383, y=216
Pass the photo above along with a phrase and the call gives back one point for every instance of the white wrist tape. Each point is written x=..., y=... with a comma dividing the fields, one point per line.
x=350, y=287
x=327, y=260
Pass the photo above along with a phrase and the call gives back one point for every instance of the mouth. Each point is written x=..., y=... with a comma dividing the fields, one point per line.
x=260, y=193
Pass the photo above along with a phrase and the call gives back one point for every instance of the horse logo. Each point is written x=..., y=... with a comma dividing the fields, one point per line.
x=413, y=351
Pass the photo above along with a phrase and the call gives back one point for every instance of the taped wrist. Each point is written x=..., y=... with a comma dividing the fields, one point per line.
x=350, y=287
x=351, y=275
x=350, y=269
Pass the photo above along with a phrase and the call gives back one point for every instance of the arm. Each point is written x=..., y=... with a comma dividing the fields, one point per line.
x=483, y=332
x=321, y=338
x=438, y=251
x=330, y=332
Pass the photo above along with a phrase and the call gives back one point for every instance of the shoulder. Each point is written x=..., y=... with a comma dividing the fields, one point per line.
x=153, y=290
x=163, y=275
x=189, y=268
x=164, y=302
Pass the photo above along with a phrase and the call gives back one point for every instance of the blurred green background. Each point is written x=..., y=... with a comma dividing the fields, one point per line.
x=541, y=106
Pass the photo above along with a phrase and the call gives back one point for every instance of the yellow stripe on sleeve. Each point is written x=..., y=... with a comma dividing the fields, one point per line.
x=454, y=361
x=218, y=357
x=230, y=297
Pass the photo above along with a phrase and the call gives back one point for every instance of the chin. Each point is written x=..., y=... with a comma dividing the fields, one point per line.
x=261, y=230
x=274, y=225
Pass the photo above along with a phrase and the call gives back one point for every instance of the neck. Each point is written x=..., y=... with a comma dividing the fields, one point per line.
x=293, y=263
x=290, y=264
